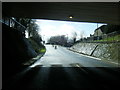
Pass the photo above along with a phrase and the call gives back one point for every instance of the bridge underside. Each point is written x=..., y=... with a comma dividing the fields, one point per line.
x=81, y=11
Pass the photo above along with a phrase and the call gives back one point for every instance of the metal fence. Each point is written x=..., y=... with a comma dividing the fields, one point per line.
x=106, y=36
x=110, y=37
x=11, y=22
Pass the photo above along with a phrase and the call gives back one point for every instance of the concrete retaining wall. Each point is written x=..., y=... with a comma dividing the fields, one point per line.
x=104, y=51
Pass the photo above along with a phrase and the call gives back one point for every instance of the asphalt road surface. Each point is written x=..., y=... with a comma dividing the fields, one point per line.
x=62, y=57
x=62, y=69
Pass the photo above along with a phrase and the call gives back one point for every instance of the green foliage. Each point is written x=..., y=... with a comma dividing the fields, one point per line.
x=31, y=27
x=37, y=47
x=42, y=50
x=113, y=38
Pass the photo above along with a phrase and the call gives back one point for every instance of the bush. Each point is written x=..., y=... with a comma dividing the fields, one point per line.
x=38, y=48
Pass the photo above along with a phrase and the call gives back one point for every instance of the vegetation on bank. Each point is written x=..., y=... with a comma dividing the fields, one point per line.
x=39, y=48
x=33, y=36
x=42, y=50
x=110, y=39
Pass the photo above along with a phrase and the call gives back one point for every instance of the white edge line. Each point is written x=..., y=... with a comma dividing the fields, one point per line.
x=93, y=57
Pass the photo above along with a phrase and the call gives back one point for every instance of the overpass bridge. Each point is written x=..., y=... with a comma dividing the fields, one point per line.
x=99, y=12
x=85, y=72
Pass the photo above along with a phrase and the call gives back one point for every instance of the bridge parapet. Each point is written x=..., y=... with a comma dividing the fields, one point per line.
x=11, y=22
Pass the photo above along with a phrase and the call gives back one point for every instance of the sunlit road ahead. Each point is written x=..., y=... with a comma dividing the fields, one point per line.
x=60, y=68
x=62, y=57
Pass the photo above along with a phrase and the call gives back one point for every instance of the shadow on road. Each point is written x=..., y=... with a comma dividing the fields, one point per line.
x=64, y=78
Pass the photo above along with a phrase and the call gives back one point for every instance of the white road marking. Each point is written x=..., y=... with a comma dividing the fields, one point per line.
x=94, y=58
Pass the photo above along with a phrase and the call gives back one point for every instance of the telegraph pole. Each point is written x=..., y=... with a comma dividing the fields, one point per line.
x=97, y=31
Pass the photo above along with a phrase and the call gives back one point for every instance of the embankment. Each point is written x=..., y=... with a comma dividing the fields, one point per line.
x=16, y=50
x=104, y=51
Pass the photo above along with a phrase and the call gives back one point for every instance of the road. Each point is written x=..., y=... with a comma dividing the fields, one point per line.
x=63, y=69
x=62, y=57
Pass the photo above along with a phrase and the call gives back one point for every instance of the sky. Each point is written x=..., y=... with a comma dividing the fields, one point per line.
x=50, y=28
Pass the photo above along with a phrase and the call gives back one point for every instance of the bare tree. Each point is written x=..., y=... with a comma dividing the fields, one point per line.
x=60, y=40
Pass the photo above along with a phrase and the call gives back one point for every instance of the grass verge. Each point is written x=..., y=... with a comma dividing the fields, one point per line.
x=110, y=39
